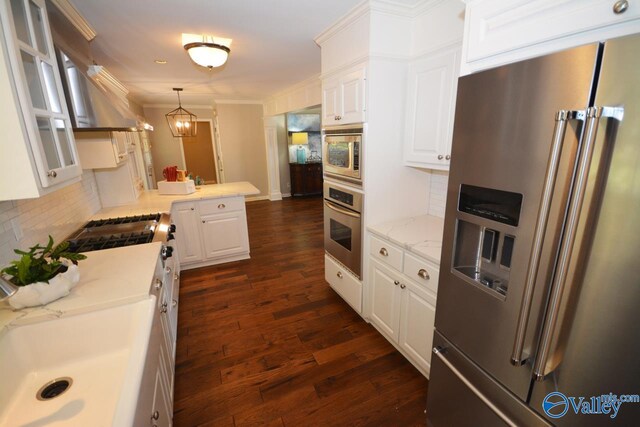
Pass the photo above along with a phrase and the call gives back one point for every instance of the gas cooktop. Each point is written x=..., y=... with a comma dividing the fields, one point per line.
x=121, y=231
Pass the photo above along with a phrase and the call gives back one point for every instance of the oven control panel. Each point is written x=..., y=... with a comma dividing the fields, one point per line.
x=341, y=196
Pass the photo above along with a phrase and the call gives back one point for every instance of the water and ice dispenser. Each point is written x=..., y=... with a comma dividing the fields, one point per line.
x=483, y=249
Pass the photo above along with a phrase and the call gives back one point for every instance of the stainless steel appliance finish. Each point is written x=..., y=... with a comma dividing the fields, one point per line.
x=122, y=231
x=543, y=304
x=92, y=105
x=341, y=152
x=343, y=226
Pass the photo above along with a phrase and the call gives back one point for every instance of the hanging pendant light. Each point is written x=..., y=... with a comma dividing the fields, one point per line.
x=181, y=122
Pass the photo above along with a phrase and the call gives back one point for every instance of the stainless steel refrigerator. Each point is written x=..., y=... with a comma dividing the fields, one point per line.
x=539, y=290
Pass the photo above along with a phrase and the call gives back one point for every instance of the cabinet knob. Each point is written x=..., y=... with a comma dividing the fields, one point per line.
x=52, y=174
x=176, y=277
x=395, y=282
x=164, y=307
x=448, y=157
x=402, y=286
x=203, y=221
x=155, y=416
x=157, y=284
x=339, y=274
x=440, y=157
x=423, y=274
x=384, y=252
x=620, y=7
x=168, y=269
x=192, y=209
x=221, y=206
x=174, y=303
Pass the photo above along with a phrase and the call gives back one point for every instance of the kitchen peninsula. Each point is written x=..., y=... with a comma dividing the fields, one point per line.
x=211, y=224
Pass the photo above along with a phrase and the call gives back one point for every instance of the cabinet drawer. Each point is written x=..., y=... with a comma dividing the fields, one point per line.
x=422, y=272
x=229, y=204
x=349, y=288
x=386, y=252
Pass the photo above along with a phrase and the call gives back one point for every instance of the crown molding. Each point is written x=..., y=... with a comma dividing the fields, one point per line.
x=238, y=101
x=354, y=14
x=76, y=19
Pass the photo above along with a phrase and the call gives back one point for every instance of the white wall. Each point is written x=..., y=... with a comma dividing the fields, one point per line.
x=243, y=146
x=57, y=214
x=438, y=193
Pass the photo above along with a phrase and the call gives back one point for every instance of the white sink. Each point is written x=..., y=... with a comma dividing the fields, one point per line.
x=103, y=352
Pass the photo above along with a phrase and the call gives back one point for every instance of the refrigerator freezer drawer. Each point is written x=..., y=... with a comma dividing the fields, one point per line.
x=459, y=393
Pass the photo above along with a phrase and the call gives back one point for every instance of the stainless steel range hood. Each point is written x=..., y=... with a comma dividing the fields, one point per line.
x=96, y=101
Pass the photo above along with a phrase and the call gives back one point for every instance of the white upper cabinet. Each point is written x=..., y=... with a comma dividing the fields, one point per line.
x=431, y=99
x=34, y=113
x=343, y=97
x=498, y=32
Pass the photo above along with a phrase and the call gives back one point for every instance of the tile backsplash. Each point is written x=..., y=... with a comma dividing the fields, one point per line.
x=438, y=193
x=58, y=214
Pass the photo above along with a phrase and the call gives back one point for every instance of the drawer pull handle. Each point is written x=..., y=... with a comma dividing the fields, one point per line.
x=174, y=303
x=221, y=206
x=155, y=416
x=395, y=282
x=339, y=274
x=402, y=286
x=158, y=284
x=384, y=252
x=423, y=274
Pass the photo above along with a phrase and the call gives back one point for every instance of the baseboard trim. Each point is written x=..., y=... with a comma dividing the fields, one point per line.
x=214, y=261
x=256, y=198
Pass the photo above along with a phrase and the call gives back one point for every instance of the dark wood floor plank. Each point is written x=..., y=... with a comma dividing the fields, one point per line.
x=267, y=342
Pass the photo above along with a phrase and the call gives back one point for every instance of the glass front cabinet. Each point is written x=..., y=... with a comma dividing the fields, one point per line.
x=30, y=77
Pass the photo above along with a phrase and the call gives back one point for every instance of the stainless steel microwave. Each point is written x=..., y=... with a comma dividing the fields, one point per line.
x=341, y=152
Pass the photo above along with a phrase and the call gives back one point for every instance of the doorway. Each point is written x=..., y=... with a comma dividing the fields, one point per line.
x=200, y=155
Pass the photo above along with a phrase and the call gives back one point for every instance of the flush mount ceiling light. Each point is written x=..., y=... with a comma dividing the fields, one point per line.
x=181, y=122
x=207, y=51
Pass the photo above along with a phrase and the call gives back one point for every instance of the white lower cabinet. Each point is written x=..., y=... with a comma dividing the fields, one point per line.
x=155, y=399
x=187, y=220
x=344, y=283
x=224, y=234
x=211, y=231
x=401, y=303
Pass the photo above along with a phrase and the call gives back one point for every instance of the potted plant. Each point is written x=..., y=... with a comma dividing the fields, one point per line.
x=43, y=273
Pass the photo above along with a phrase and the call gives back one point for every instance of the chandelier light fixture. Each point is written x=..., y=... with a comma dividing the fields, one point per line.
x=181, y=122
x=207, y=51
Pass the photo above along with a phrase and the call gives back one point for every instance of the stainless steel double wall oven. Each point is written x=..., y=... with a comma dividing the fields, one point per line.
x=343, y=202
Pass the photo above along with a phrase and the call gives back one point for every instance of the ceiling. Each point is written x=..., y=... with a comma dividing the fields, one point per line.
x=272, y=47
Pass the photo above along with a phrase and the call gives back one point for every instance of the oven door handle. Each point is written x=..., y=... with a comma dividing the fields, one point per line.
x=335, y=207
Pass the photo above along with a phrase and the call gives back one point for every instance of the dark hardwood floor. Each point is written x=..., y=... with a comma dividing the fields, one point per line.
x=267, y=342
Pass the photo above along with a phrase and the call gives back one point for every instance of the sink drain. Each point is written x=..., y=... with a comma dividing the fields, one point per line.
x=54, y=388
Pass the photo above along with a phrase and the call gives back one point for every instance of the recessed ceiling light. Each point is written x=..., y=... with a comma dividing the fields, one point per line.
x=160, y=61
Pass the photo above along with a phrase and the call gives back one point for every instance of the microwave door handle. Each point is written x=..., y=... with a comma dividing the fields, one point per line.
x=561, y=118
x=559, y=283
x=335, y=207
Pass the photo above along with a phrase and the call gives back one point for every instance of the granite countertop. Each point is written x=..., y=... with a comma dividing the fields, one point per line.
x=151, y=201
x=108, y=278
x=421, y=235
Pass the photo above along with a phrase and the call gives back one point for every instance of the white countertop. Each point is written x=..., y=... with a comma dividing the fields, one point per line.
x=421, y=235
x=151, y=201
x=108, y=278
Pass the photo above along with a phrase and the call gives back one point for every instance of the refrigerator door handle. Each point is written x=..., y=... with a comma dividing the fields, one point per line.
x=562, y=117
x=439, y=351
x=558, y=284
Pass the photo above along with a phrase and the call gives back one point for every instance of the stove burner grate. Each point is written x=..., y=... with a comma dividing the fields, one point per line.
x=123, y=220
x=112, y=241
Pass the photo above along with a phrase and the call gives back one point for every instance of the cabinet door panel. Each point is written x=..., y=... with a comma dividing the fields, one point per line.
x=416, y=327
x=384, y=300
x=352, y=89
x=498, y=26
x=186, y=218
x=430, y=109
x=225, y=234
x=330, y=98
